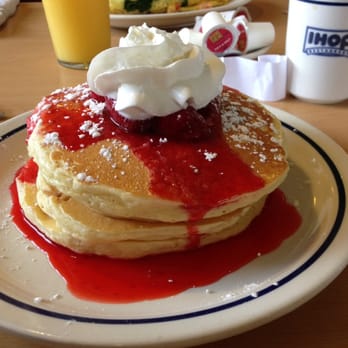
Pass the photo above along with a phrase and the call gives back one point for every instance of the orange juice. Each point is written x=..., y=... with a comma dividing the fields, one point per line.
x=79, y=29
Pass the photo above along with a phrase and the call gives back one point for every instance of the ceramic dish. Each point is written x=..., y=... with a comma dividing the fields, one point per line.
x=169, y=20
x=34, y=300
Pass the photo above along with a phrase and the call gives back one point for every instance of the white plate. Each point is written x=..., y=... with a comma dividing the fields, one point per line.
x=169, y=20
x=282, y=280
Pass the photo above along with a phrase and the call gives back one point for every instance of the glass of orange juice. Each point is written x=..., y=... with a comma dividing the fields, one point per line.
x=79, y=30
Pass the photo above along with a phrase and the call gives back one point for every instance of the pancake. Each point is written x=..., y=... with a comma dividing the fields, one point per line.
x=71, y=224
x=100, y=190
x=82, y=155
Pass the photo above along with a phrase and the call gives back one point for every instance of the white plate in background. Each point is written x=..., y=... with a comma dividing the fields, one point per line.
x=169, y=20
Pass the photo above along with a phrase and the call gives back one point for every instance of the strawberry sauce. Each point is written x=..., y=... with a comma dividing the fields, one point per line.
x=102, y=279
x=201, y=174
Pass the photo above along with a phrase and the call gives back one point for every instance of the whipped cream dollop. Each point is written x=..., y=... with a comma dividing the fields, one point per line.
x=154, y=73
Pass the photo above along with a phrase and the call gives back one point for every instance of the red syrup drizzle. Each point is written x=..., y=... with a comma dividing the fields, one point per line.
x=102, y=279
x=179, y=170
x=171, y=165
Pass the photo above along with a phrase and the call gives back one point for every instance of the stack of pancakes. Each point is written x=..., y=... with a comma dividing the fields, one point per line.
x=93, y=191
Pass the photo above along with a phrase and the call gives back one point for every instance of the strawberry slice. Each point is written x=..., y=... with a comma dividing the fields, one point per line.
x=188, y=124
x=97, y=97
x=126, y=124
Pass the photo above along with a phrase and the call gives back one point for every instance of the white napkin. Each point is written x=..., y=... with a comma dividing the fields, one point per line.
x=264, y=79
x=7, y=9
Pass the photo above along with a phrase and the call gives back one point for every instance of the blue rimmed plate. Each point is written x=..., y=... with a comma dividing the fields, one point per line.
x=34, y=300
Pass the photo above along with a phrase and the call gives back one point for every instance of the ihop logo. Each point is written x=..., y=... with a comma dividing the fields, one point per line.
x=324, y=42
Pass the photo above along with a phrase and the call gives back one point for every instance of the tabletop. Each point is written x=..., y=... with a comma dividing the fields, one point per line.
x=28, y=71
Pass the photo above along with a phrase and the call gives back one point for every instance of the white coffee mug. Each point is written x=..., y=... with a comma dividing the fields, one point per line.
x=317, y=50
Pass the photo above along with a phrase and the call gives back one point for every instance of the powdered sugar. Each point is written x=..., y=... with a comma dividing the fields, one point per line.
x=96, y=107
x=86, y=178
x=106, y=153
x=251, y=127
x=92, y=128
x=52, y=139
x=209, y=156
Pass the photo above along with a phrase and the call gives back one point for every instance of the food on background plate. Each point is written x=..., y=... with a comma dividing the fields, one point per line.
x=161, y=6
x=153, y=155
